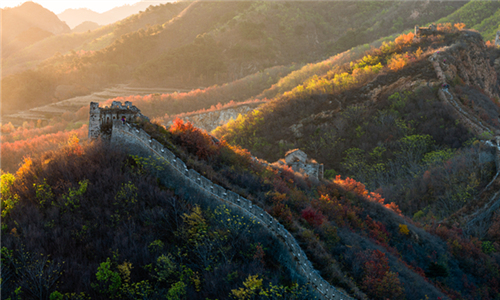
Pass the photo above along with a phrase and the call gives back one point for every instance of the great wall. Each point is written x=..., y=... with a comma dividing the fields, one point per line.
x=126, y=135
x=476, y=222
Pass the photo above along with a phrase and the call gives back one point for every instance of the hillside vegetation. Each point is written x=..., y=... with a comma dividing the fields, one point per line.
x=379, y=121
x=403, y=211
x=480, y=15
x=202, y=43
x=90, y=222
x=358, y=241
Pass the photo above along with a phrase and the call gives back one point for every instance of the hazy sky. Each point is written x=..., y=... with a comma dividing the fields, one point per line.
x=58, y=6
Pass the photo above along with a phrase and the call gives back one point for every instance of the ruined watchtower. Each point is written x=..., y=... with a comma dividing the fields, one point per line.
x=298, y=161
x=101, y=118
x=424, y=31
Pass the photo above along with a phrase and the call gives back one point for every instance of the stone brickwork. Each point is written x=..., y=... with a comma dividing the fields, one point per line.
x=100, y=116
x=298, y=161
x=139, y=138
x=423, y=31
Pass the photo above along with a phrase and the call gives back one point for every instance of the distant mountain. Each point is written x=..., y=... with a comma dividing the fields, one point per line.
x=74, y=17
x=26, y=24
x=86, y=26
x=204, y=43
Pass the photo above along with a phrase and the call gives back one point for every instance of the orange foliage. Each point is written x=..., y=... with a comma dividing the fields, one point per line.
x=13, y=152
x=25, y=167
x=405, y=39
x=398, y=61
x=359, y=189
x=74, y=145
x=193, y=139
x=459, y=26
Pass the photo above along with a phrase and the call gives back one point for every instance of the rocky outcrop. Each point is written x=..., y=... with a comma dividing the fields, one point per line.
x=468, y=59
x=213, y=119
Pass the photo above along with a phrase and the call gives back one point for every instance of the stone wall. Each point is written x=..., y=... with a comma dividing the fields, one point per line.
x=100, y=116
x=137, y=140
x=467, y=118
x=422, y=31
x=311, y=169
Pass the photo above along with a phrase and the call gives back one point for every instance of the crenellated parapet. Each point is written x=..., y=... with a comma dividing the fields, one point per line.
x=101, y=118
x=125, y=133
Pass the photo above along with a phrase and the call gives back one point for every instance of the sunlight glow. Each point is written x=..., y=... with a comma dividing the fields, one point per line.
x=58, y=6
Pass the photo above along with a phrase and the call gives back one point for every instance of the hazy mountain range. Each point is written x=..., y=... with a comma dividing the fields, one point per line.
x=74, y=17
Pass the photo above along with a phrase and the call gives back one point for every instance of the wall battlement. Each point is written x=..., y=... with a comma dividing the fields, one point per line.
x=125, y=132
x=102, y=117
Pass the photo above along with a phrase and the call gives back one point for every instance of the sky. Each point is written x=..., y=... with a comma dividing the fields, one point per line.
x=58, y=6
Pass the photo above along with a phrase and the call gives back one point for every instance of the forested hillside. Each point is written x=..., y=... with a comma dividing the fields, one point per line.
x=150, y=241
x=484, y=16
x=405, y=126
x=379, y=121
x=91, y=222
x=202, y=43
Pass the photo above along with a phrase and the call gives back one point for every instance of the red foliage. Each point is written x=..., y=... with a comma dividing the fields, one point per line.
x=378, y=281
x=194, y=140
x=359, y=189
x=313, y=217
x=13, y=152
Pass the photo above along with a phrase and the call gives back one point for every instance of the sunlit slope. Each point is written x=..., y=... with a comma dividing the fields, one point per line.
x=269, y=33
x=94, y=40
x=379, y=119
x=211, y=42
x=484, y=16
x=26, y=24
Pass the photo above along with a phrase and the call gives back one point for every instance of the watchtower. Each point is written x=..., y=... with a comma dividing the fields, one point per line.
x=101, y=118
x=423, y=31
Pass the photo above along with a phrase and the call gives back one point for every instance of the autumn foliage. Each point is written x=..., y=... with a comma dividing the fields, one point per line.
x=378, y=280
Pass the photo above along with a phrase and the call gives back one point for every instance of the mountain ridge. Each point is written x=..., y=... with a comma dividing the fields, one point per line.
x=75, y=16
